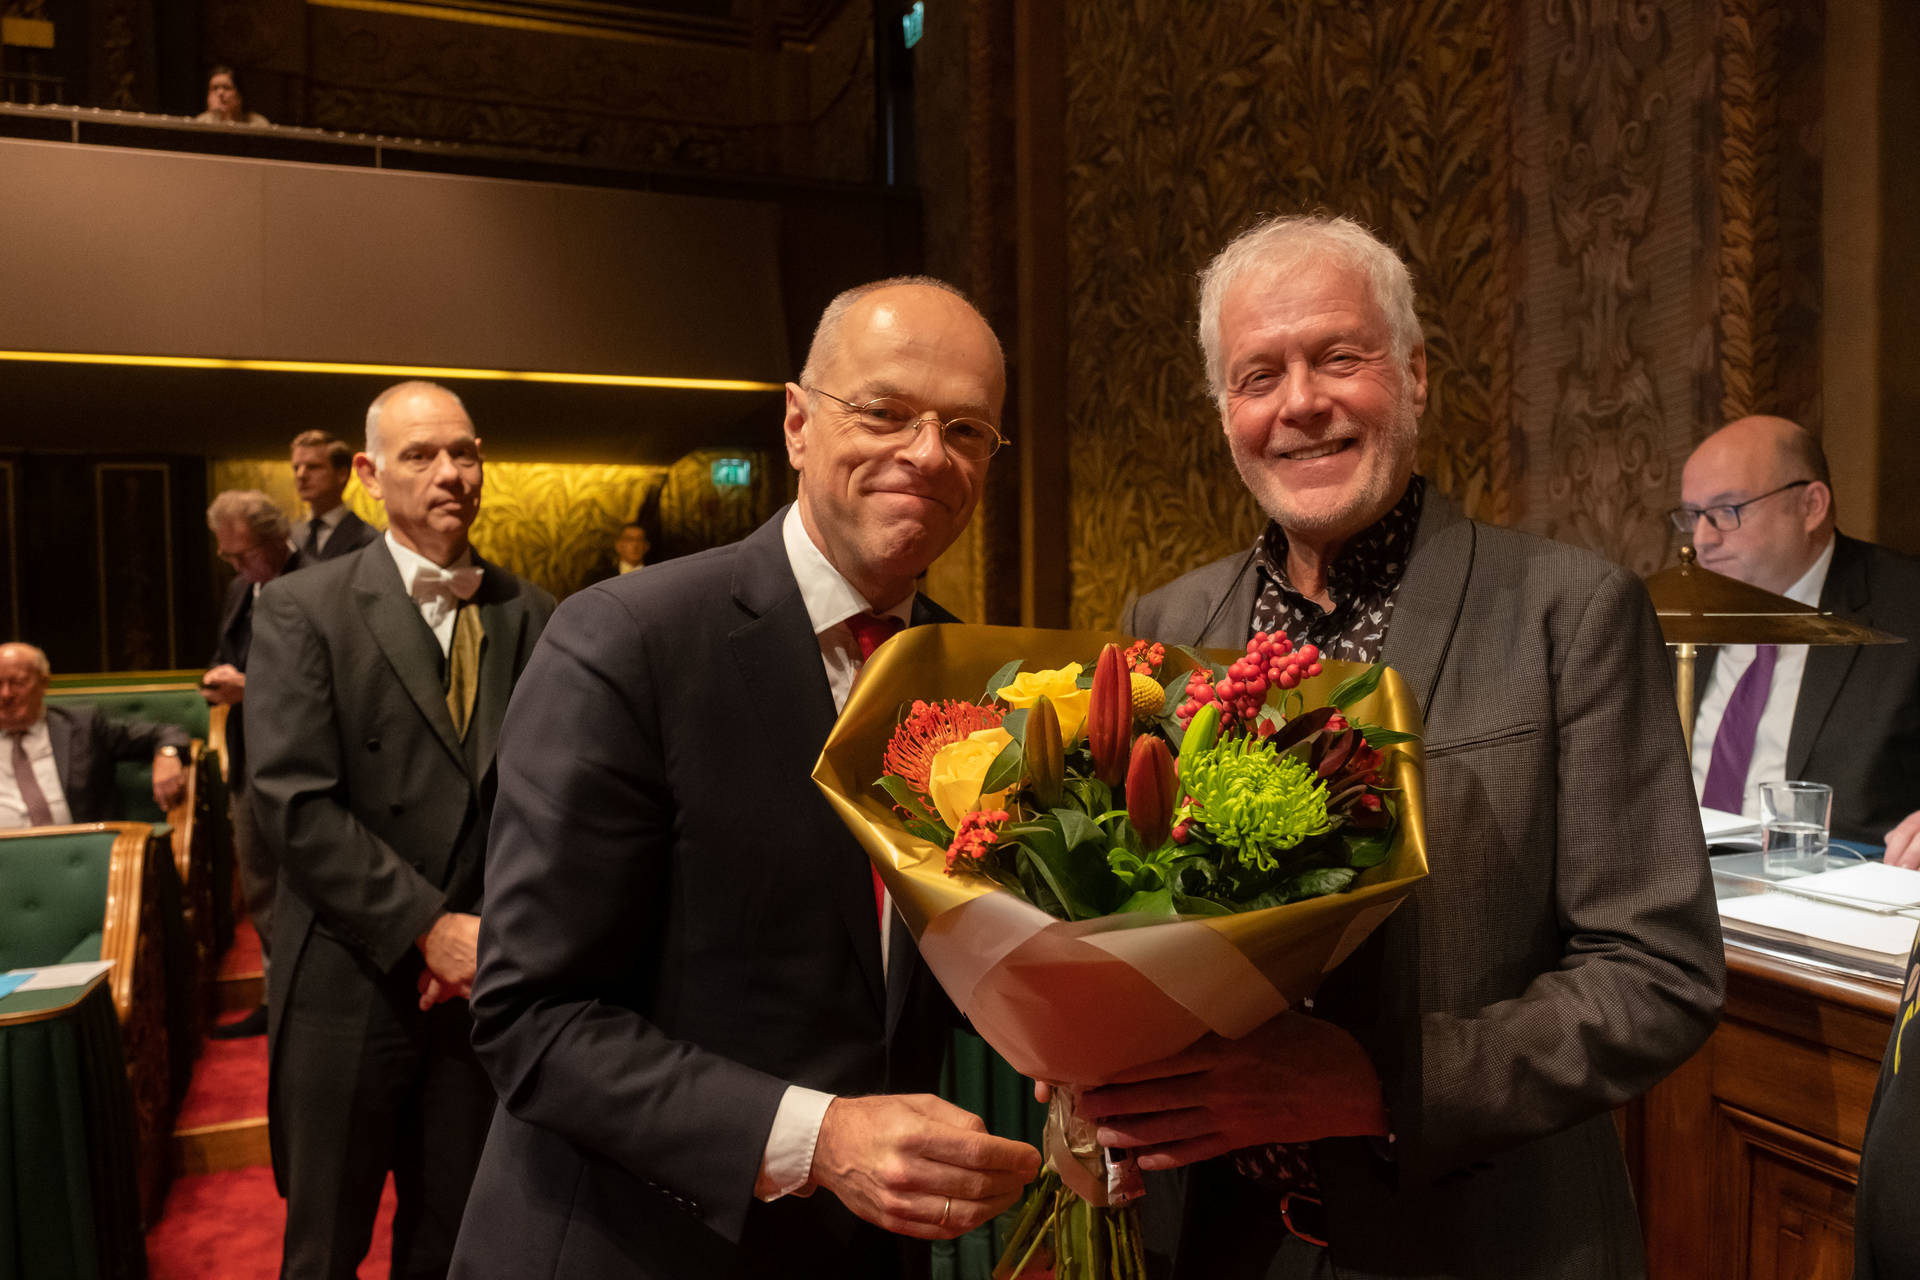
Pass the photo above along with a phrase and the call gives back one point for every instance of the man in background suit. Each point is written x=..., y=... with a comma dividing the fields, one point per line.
x=628, y=554
x=251, y=535
x=1758, y=504
x=1455, y=1075
x=711, y=1059
x=322, y=465
x=60, y=759
x=377, y=683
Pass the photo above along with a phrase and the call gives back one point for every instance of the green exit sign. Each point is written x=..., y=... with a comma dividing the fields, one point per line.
x=732, y=473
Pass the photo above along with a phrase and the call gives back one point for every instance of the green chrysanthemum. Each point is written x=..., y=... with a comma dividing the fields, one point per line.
x=1253, y=801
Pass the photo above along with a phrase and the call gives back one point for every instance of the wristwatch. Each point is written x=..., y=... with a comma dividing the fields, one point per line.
x=169, y=750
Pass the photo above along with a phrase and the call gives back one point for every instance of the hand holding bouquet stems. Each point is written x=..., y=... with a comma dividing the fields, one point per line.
x=1125, y=878
x=918, y=1165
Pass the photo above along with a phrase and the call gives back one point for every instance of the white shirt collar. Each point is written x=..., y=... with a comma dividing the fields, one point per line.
x=829, y=597
x=411, y=562
x=1814, y=580
x=333, y=518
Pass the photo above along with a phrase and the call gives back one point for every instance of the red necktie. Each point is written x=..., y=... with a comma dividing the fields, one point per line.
x=869, y=629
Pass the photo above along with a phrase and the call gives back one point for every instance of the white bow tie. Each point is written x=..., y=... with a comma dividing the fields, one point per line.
x=437, y=591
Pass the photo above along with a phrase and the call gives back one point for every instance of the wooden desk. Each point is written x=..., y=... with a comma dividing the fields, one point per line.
x=1746, y=1158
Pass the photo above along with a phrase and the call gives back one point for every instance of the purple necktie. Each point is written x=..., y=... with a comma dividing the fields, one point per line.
x=39, y=813
x=1739, y=725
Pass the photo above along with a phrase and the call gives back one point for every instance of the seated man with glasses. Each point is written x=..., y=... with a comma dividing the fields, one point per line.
x=1759, y=507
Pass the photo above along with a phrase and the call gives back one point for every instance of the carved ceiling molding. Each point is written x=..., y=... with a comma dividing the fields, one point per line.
x=797, y=21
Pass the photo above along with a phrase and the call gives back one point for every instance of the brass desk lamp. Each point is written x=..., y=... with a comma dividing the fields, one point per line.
x=1697, y=606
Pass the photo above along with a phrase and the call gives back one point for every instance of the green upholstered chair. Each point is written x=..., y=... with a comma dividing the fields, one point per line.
x=202, y=839
x=91, y=892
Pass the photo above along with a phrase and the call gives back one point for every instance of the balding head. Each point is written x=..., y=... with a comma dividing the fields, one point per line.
x=879, y=501
x=24, y=671
x=1776, y=473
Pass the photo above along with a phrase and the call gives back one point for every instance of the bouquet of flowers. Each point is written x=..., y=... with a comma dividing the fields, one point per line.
x=1106, y=851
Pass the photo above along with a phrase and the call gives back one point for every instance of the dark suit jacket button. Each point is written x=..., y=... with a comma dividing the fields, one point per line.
x=373, y=744
x=396, y=807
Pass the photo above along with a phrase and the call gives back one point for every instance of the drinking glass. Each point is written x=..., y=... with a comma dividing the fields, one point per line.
x=1793, y=827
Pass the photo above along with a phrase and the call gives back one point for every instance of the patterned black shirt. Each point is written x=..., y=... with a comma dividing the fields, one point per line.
x=1364, y=581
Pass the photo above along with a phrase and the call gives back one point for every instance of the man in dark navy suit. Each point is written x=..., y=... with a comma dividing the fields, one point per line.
x=712, y=1036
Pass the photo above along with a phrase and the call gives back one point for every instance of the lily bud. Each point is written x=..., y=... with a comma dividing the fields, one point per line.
x=1110, y=716
x=1202, y=730
x=1046, y=761
x=1150, y=790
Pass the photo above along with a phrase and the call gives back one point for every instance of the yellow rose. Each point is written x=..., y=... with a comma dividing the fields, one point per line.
x=953, y=782
x=1069, y=699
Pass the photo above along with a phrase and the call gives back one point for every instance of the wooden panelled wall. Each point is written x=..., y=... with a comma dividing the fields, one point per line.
x=1611, y=210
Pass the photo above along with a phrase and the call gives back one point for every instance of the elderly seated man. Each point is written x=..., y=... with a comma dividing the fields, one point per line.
x=60, y=759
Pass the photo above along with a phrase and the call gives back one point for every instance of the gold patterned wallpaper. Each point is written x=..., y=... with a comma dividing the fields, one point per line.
x=548, y=522
x=1186, y=122
x=1611, y=210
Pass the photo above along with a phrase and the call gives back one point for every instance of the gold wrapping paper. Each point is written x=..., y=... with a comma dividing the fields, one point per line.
x=1082, y=1001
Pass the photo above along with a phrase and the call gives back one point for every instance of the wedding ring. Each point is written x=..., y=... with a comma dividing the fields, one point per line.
x=945, y=1209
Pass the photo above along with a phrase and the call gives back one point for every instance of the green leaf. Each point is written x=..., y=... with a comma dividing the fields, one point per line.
x=904, y=796
x=1153, y=902
x=1007, y=768
x=1353, y=689
x=1321, y=881
x=1189, y=905
x=1078, y=878
x=1016, y=724
x=931, y=832
x=1001, y=678
x=1085, y=680
x=1076, y=828
x=1378, y=736
x=1369, y=849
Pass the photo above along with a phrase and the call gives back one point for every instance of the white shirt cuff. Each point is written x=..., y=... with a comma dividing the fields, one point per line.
x=796, y=1130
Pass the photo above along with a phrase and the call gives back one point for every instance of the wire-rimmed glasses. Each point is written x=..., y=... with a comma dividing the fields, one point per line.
x=972, y=438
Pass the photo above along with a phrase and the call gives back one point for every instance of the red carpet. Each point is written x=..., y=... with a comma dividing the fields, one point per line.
x=243, y=957
x=227, y=1226
x=229, y=1083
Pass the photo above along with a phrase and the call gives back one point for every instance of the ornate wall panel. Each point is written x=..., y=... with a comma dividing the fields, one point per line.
x=548, y=522
x=1186, y=122
x=1769, y=65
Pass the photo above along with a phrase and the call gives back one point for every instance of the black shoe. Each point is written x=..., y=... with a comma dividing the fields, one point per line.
x=254, y=1024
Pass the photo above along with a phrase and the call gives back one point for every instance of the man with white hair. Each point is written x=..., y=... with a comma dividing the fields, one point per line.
x=377, y=684
x=1443, y=1107
x=59, y=763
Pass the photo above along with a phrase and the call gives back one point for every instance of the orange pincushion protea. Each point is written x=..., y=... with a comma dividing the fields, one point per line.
x=928, y=727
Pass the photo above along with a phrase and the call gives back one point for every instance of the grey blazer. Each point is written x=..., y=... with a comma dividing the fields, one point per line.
x=1563, y=955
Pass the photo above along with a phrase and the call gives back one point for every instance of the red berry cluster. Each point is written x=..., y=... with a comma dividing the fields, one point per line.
x=1271, y=662
x=1144, y=659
